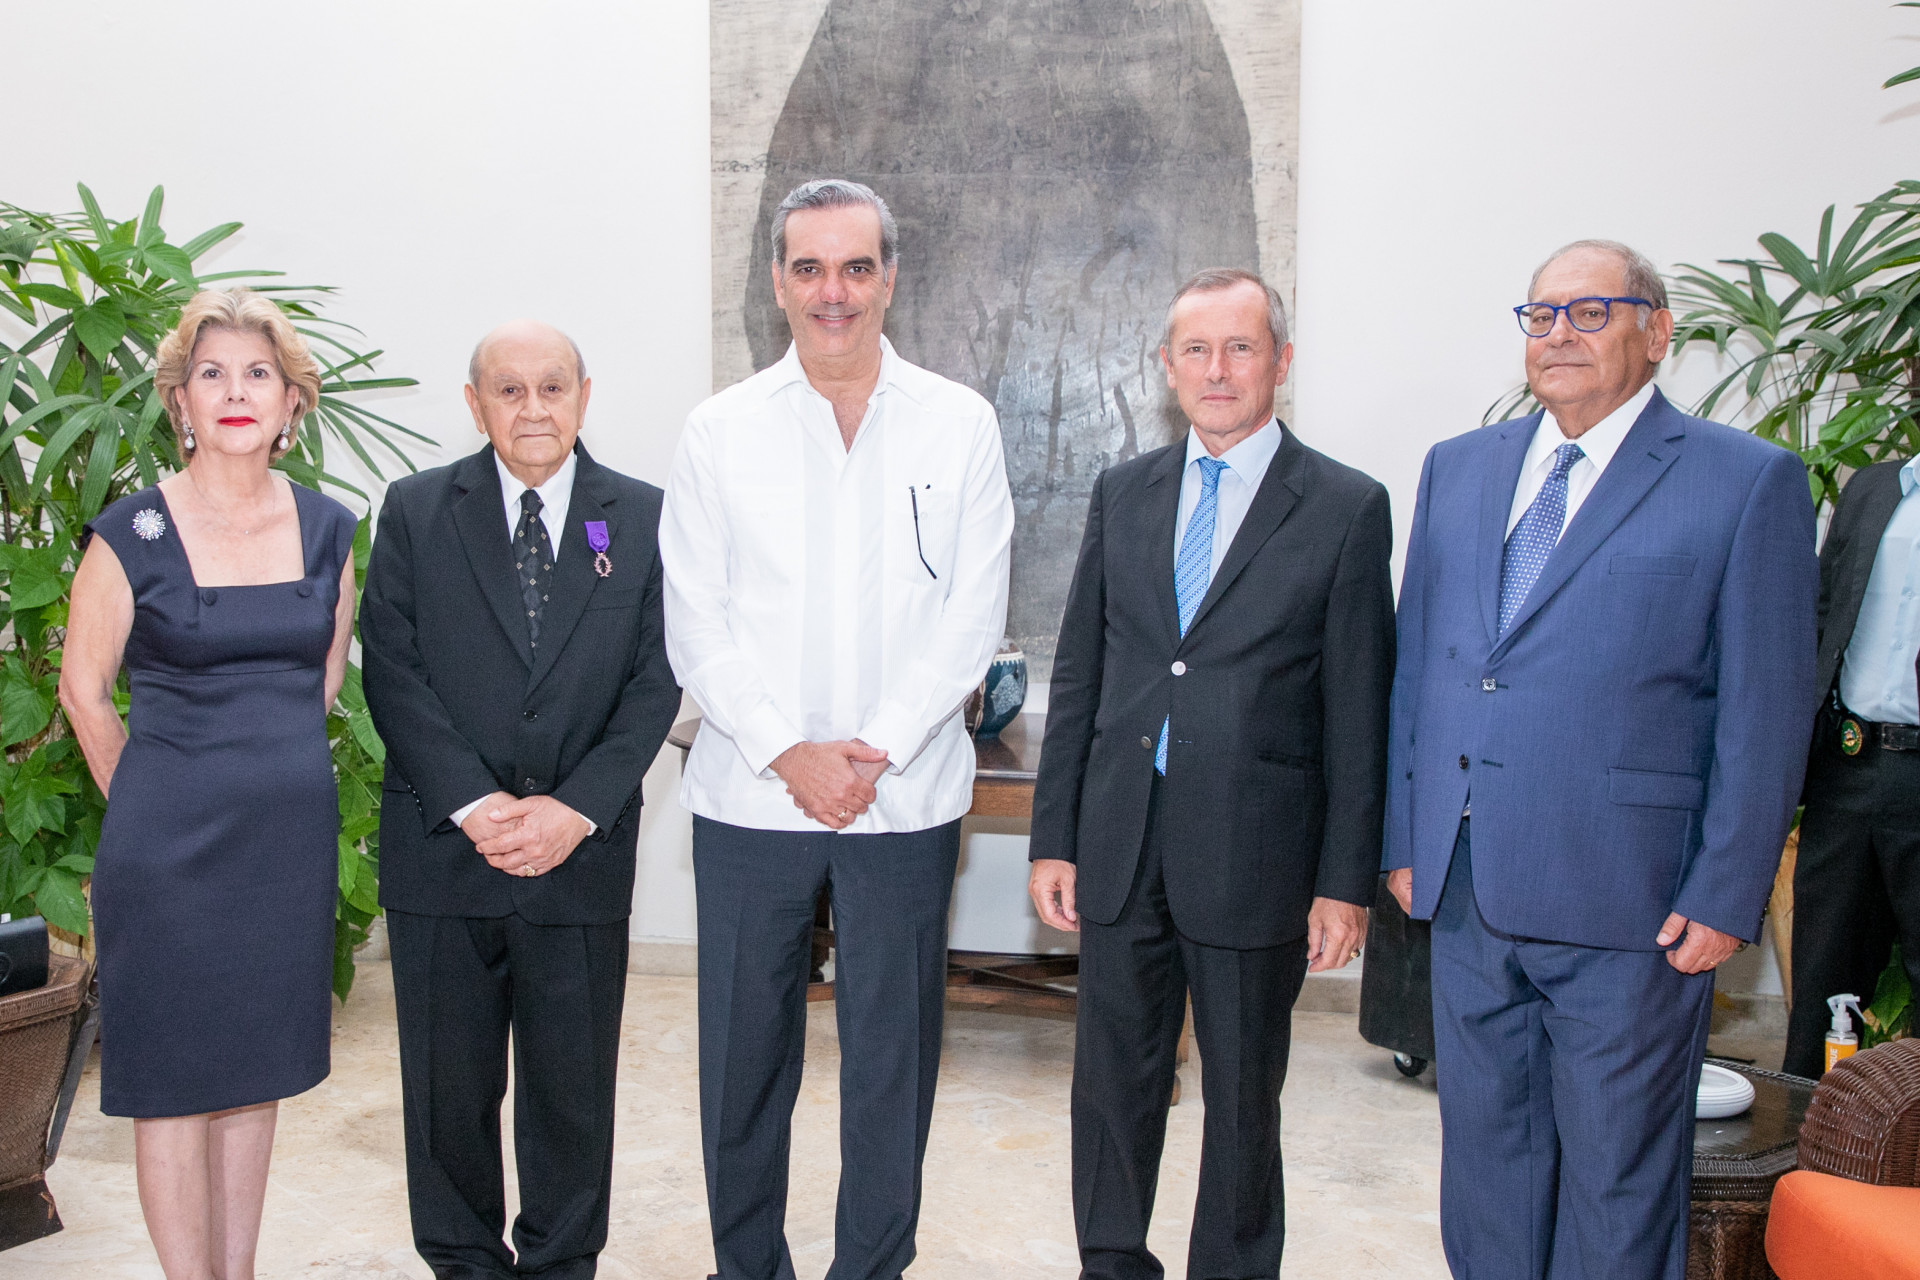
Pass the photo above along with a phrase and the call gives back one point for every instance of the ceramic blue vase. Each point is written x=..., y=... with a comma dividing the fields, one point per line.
x=1003, y=692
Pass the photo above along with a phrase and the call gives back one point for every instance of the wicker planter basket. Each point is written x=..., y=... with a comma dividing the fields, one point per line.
x=36, y=1036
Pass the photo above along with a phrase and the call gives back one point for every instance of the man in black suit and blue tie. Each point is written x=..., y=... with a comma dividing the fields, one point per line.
x=1606, y=644
x=1207, y=813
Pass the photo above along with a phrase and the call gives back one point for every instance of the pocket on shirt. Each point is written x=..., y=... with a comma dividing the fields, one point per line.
x=934, y=535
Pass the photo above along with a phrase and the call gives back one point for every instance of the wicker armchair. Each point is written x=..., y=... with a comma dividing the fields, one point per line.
x=1852, y=1206
x=1864, y=1123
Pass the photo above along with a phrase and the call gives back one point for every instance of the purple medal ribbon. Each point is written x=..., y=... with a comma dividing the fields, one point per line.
x=598, y=540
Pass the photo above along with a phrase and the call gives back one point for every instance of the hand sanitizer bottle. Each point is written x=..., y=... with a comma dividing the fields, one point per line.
x=1841, y=1042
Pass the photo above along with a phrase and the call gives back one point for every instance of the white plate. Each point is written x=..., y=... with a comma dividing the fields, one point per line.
x=1723, y=1093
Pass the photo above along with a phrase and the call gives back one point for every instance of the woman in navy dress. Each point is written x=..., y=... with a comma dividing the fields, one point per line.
x=228, y=593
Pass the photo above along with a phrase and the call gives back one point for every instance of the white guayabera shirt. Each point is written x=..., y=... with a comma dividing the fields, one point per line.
x=816, y=592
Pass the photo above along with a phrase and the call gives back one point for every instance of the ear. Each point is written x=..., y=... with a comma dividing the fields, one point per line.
x=586, y=393
x=892, y=274
x=779, y=293
x=473, y=407
x=1659, y=335
x=1167, y=363
x=1281, y=365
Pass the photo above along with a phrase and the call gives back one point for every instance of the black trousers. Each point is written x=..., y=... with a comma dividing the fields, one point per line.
x=757, y=891
x=1135, y=975
x=460, y=986
x=1856, y=887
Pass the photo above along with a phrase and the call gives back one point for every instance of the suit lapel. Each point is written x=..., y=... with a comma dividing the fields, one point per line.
x=480, y=517
x=1877, y=503
x=1649, y=448
x=1279, y=491
x=1163, y=511
x=1498, y=483
x=574, y=578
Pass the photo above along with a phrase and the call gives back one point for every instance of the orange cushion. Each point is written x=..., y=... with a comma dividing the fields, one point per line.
x=1825, y=1228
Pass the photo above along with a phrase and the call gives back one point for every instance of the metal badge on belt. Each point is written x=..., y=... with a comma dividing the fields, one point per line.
x=1852, y=737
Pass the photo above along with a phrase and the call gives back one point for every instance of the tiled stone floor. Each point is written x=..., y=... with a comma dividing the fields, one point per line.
x=1362, y=1148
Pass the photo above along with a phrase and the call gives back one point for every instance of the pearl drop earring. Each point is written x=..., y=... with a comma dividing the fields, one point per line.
x=189, y=437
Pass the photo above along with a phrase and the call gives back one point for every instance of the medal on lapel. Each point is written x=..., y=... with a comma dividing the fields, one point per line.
x=598, y=540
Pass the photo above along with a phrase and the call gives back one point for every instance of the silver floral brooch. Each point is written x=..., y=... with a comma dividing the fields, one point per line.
x=149, y=524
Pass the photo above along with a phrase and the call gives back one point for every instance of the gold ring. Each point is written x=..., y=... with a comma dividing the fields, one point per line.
x=1354, y=954
x=526, y=869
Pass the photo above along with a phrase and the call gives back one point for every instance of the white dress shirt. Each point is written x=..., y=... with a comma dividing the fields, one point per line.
x=1239, y=480
x=1599, y=444
x=1876, y=676
x=555, y=495
x=806, y=602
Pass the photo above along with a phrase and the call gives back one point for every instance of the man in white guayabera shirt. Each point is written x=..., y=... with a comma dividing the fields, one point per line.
x=835, y=538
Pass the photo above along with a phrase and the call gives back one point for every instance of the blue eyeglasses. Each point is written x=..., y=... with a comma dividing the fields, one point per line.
x=1588, y=315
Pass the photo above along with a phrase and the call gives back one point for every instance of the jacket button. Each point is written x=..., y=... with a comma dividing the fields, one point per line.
x=529, y=716
x=1463, y=762
x=1179, y=668
x=1489, y=684
x=1147, y=743
x=209, y=596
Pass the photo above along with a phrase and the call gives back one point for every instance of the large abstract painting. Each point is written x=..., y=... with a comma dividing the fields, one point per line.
x=1056, y=167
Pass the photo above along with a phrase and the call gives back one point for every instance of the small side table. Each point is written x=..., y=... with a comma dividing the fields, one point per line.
x=1735, y=1164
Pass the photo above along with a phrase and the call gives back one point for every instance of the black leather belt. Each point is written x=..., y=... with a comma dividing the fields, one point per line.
x=1856, y=733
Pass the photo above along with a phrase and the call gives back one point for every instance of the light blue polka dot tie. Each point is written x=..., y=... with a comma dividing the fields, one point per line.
x=1533, y=539
x=1194, y=569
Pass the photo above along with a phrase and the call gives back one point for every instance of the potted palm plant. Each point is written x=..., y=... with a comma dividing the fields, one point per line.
x=86, y=300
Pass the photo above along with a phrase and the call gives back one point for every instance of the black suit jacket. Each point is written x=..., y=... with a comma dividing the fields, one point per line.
x=466, y=709
x=1279, y=740
x=1846, y=560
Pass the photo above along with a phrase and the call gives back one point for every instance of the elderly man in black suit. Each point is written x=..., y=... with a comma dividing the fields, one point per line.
x=515, y=667
x=1209, y=806
x=1856, y=885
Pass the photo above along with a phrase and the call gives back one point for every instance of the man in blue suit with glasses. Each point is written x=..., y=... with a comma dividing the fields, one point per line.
x=1605, y=660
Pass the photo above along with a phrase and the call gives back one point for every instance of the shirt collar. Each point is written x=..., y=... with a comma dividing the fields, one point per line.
x=560, y=482
x=1249, y=459
x=789, y=371
x=1909, y=476
x=1601, y=441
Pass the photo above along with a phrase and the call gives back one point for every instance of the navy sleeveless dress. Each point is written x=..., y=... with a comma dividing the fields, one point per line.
x=215, y=880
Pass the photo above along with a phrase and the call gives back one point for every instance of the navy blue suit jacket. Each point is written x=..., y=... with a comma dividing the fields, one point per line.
x=1634, y=744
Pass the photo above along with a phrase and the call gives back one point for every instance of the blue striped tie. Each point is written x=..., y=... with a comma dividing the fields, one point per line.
x=1194, y=569
x=1534, y=538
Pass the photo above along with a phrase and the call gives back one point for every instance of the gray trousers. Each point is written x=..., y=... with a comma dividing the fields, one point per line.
x=757, y=891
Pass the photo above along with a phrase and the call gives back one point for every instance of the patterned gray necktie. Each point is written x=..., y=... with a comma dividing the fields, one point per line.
x=533, y=558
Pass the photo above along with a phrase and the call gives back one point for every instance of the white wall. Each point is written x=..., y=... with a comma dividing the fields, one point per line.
x=453, y=165
x=448, y=166
x=1442, y=157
